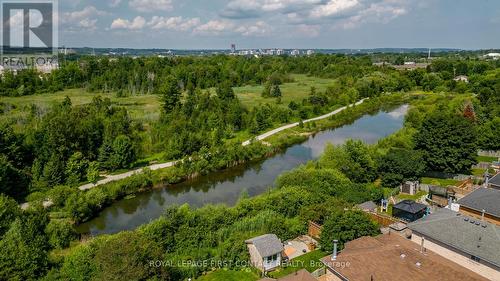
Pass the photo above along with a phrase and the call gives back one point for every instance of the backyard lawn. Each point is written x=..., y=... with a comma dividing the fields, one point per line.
x=230, y=275
x=438, y=181
x=486, y=159
x=411, y=197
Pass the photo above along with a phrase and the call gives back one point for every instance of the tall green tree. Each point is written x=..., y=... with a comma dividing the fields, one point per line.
x=346, y=226
x=400, y=165
x=448, y=142
x=170, y=94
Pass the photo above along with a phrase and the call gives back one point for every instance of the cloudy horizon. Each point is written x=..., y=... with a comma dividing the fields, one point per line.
x=318, y=24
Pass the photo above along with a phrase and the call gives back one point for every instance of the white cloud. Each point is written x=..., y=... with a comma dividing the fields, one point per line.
x=214, y=27
x=260, y=28
x=333, y=8
x=253, y=9
x=147, y=6
x=173, y=23
x=136, y=24
x=381, y=12
x=114, y=3
x=85, y=19
x=87, y=12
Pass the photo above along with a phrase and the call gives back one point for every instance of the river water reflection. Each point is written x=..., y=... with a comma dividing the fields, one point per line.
x=228, y=185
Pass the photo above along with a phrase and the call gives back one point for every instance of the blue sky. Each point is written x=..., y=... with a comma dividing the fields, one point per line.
x=209, y=24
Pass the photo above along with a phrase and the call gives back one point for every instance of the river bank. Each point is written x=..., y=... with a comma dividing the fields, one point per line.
x=251, y=178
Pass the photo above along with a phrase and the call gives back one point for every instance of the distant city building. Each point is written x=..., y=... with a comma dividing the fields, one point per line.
x=280, y=52
x=233, y=48
x=295, y=52
x=309, y=52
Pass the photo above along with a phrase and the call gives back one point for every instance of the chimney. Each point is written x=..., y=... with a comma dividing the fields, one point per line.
x=482, y=214
x=422, y=249
x=334, y=256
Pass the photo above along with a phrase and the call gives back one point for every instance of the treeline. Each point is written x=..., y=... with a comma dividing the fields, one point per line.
x=213, y=234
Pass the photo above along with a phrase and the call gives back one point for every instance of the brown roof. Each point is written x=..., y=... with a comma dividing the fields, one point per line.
x=392, y=257
x=301, y=275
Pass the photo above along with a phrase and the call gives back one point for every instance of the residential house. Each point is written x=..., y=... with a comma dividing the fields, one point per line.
x=409, y=210
x=301, y=275
x=483, y=203
x=391, y=257
x=265, y=251
x=494, y=182
x=465, y=240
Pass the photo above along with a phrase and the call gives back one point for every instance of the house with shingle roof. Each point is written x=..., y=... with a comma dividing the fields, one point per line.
x=494, y=182
x=483, y=203
x=392, y=258
x=468, y=241
x=265, y=251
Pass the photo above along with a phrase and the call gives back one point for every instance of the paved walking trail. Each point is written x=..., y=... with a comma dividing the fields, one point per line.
x=110, y=178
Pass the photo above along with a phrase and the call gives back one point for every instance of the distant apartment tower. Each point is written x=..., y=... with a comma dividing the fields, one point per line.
x=310, y=52
x=295, y=52
x=233, y=48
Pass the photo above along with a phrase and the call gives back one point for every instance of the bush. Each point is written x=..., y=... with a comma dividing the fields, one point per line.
x=346, y=226
x=60, y=233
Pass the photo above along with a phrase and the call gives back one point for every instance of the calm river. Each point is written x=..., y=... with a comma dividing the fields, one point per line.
x=228, y=185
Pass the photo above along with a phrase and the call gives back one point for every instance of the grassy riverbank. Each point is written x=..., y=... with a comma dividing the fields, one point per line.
x=81, y=206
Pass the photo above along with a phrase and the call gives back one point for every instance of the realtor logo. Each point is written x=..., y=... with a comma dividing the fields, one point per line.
x=29, y=27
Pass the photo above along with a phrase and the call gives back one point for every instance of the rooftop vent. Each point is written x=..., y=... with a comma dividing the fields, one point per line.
x=418, y=264
x=402, y=256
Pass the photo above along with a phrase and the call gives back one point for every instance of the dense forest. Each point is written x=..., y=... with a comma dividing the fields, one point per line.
x=50, y=152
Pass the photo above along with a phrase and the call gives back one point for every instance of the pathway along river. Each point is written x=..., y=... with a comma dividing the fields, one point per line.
x=227, y=186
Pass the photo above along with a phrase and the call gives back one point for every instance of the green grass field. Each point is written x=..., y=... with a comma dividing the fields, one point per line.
x=295, y=91
x=230, y=275
x=147, y=107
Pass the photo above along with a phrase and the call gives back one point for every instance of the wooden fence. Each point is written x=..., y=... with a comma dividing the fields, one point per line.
x=383, y=220
x=314, y=230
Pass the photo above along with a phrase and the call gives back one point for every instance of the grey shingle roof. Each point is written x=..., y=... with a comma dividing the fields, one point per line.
x=495, y=180
x=368, y=205
x=467, y=234
x=410, y=206
x=267, y=244
x=487, y=199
